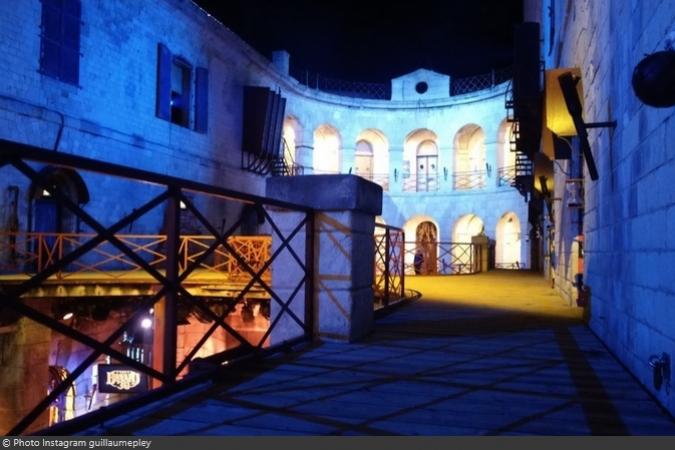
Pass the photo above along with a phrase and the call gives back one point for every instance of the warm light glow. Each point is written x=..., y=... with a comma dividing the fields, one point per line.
x=326, y=150
x=67, y=316
x=557, y=118
x=470, y=152
x=146, y=323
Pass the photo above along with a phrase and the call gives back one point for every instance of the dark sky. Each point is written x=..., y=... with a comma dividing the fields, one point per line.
x=375, y=41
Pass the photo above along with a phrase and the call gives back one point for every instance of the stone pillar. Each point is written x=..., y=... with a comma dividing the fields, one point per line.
x=304, y=150
x=346, y=206
x=281, y=60
x=347, y=159
x=491, y=149
x=445, y=172
x=481, y=249
x=396, y=170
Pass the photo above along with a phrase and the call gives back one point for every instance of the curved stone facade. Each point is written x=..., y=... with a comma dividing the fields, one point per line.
x=111, y=115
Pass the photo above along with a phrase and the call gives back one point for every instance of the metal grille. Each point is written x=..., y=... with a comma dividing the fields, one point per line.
x=389, y=278
x=453, y=258
x=378, y=178
x=357, y=89
x=170, y=262
x=507, y=175
x=469, y=180
x=420, y=183
x=465, y=85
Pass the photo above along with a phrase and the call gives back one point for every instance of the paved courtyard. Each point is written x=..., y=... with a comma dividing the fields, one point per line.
x=491, y=354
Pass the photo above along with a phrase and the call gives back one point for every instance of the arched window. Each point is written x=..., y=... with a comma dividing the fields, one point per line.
x=326, y=150
x=426, y=253
x=427, y=166
x=46, y=215
x=505, y=157
x=507, y=250
x=371, y=157
x=420, y=161
x=470, y=172
x=363, y=159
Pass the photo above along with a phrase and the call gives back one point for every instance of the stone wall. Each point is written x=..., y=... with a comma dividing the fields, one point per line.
x=630, y=211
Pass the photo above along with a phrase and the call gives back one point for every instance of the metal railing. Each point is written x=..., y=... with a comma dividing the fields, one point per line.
x=442, y=258
x=30, y=253
x=465, y=85
x=389, y=277
x=420, y=183
x=469, y=180
x=506, y=175
x=378, y=178
x=212, y=323
x=357, y=89
x=382, y=91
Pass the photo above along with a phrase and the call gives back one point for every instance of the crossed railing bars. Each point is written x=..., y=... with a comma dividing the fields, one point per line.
x=31, y=252
x=170, y=282
x=451, y=258
x=389, y=279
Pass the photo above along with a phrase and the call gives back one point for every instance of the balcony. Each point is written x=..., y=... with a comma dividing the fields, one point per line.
x=506, y=176
x=420, y=183
x=469, y=180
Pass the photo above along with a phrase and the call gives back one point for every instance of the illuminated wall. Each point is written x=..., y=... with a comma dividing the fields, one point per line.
x=628, y=214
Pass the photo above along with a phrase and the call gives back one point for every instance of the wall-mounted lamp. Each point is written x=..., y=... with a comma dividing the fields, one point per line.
x=653, y=78
x=445, y=173
x=488, y=169
x=568, y=85
x=575, y=192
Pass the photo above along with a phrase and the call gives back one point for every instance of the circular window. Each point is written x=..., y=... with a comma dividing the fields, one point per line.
x=421, y=87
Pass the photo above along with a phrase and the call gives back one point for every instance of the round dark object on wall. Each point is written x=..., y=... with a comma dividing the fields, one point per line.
x=421, y=87
x=654, y=79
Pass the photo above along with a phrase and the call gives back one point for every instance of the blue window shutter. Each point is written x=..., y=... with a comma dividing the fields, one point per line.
x=60, y=39
x=50, y=42
x=163, y=82
x=201, y=99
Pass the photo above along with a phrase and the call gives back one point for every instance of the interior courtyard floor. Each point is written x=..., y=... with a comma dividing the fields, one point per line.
x=490, y=354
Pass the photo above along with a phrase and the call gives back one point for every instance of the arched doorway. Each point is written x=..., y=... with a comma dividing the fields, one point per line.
x=327, y=145
x=463, y=254
x=288, y=136
x=371, y=157
x=470, y=158
x=363, y=159
x=63, y=408
x=426, y=253
x=506, y=158
x=507, y=251
x=420, y=161
x=427, y=166
x=46, y=214
x=47, y=217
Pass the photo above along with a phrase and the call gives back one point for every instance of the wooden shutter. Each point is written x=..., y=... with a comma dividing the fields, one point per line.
x=163, y=82
x=70, y=43
x=201, y=99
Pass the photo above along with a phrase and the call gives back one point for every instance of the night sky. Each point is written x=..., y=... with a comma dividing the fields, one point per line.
x=374, y=41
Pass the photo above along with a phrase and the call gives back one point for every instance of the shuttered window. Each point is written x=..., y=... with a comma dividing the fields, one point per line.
x=60, y=39
x=174, y=91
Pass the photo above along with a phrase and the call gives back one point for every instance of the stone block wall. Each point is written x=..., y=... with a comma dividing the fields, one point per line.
x=630, y=211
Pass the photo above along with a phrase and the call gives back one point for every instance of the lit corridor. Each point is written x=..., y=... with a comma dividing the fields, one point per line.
x=489, y=354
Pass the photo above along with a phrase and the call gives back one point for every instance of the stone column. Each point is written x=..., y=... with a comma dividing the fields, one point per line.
x=304, y=150
x=395, y=170
x=492, y=181
x=346, y=206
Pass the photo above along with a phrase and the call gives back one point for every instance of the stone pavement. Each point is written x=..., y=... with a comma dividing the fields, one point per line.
x=490, y=354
